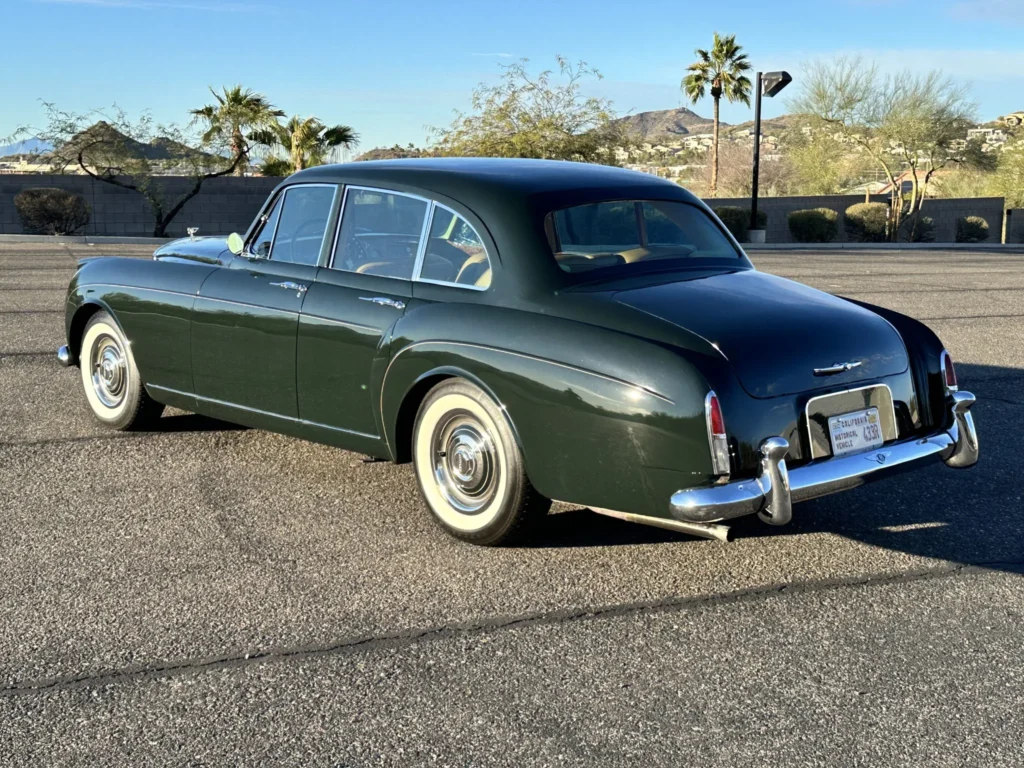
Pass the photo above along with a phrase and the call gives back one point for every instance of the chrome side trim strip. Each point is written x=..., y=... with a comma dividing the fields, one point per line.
x=136, y=288
x=303, y=422
x=248, y=304
x=345, y=323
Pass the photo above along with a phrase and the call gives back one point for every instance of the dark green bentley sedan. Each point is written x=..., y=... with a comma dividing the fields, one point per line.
x=522, y=331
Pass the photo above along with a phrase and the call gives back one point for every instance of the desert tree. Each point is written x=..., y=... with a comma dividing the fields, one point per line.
x=307, y=142
x=908, y=124
x=736, y=172
x=821, y=163
x=719, y=71
x=544, y=116
x=136, y=155
x=235, y=112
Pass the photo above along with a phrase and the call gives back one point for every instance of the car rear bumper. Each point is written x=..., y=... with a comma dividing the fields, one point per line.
x=771, y=494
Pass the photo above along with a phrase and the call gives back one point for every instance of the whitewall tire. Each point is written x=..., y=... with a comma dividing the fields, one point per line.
x=110, y=378
x=469, y=467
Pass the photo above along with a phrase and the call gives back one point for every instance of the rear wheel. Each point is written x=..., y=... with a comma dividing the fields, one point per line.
x=111, y=380
x=469, y=467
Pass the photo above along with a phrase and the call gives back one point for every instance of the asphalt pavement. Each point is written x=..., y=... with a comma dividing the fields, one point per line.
x=207, y=595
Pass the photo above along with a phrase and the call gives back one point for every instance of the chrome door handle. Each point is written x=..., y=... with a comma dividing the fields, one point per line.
x=288, y=285
x=383, y=301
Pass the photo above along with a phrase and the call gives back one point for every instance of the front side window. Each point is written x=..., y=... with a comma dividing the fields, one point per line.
x=455, y=253
x=380, y=233
x=264, y=237
x=303, y=224
x=627, y=232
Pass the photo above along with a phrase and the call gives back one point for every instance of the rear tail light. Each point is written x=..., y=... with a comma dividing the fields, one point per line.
x=716, y=435
x=948, y=372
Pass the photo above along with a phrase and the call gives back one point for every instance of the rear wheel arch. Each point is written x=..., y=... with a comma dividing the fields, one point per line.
x=405, y=417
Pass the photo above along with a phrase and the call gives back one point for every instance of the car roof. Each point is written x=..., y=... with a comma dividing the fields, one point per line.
x=521, y=177
x=509, y=198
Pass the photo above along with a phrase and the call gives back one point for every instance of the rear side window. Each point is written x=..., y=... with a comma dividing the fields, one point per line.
x=627, y=232
x=455, y=253
x=380, y=233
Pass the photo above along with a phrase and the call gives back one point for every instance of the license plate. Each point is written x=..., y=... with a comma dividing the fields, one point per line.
x=855, y=432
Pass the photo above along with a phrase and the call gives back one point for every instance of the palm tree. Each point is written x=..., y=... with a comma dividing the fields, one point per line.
x=307, y=141
x=235, y=112
x=720, y=70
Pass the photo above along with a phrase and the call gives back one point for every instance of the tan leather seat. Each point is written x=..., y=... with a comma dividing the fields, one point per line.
x=387, y=268
x=474, y=270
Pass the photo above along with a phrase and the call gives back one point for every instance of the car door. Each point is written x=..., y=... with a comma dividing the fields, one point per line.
x=245, y=317
x=350, y=309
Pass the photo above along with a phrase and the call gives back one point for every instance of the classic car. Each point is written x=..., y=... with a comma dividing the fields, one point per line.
x=522, y=331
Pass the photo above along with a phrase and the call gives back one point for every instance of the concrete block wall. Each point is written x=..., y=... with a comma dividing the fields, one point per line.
x=229, y=204
x=944, y=213
x=223, y=205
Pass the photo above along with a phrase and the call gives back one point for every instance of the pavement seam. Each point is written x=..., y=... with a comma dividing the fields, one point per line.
x=429, y=634
x=26, y=354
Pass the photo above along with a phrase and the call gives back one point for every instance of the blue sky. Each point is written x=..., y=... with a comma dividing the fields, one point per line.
x=391, y=68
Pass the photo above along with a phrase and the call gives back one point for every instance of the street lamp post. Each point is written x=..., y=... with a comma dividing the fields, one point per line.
x=768, y=83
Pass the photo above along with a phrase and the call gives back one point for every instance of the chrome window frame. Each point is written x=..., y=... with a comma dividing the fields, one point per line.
x=258, y=228
x=434, y=205
x=420, y=248
x=282, y=196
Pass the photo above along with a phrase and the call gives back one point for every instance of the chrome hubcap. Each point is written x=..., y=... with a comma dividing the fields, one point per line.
x=466, y=466
x=109, y=371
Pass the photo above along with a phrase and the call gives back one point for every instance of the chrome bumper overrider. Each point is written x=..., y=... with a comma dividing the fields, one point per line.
x=64, y=356
x=771, y=494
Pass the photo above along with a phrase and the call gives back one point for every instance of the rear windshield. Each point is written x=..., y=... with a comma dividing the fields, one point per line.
x=615, y=233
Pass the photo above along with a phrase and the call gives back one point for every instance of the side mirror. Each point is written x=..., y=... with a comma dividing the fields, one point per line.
x=235, y=243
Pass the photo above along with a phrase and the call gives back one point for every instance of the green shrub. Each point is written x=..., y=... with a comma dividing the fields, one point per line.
x=971, y=229
x=737, y=220
x=815, y=225
x=50, y=211
x=923, y=232
x=867, y=222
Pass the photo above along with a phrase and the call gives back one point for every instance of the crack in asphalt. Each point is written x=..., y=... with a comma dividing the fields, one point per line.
x=467, y=629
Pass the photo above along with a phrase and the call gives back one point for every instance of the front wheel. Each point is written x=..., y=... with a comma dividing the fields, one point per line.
x=469, y=467
x=110, y=378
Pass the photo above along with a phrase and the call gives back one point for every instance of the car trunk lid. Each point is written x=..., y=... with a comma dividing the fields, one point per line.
x=775, y=332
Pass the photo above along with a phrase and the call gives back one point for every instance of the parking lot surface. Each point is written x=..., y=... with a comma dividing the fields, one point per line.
x=208, y=595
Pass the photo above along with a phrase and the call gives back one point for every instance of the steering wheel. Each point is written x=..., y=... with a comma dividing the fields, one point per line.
x=356, y=252
x=309, y=224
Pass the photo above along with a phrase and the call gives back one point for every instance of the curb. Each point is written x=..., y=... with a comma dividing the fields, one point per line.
x=85, y=239
x=1008, y=247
